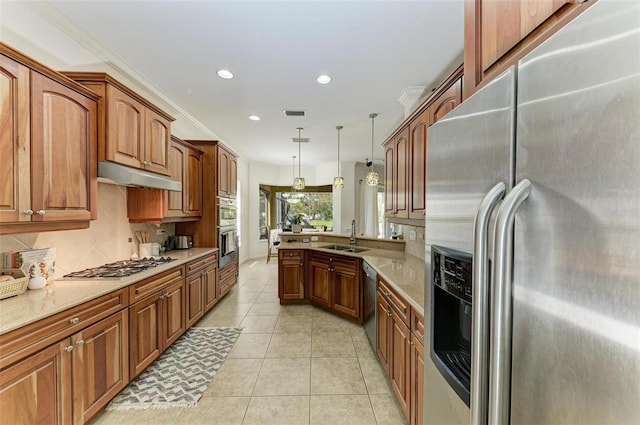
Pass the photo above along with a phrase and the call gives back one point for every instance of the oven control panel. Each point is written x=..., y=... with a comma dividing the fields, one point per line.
x=451, y=271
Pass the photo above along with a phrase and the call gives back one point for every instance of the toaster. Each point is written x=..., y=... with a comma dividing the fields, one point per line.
x=184, y=242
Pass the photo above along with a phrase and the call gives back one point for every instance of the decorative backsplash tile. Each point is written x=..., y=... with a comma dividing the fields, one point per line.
x=106, y=240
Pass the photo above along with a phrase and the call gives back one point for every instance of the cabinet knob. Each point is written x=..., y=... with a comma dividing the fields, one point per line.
x=74, y=321
x=163, y=296
x=301, y=263
x=41, y=212
x=28, y=212
x=409, y=342
x=80, y=342
x=68, y=349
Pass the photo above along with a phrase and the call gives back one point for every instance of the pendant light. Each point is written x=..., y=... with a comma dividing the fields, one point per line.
x=372, y=177
x=298, y=182
x=338, y=182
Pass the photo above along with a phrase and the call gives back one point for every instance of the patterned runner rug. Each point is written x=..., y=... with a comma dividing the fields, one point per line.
x=180, y=376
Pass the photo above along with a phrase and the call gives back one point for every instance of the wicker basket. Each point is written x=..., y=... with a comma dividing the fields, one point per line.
x=13, y=287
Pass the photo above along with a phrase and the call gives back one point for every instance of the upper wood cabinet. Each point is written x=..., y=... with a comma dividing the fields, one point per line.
x=406, y=154
x=131, y=130
x=158, y=206
x=499, y=32
x=47, y=141
x=227, y=173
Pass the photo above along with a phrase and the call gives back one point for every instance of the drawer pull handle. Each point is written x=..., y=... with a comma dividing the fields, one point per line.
x=68, y=349
x=41, y=212
x=28, y=212
x=80, y=342
x=74, y=321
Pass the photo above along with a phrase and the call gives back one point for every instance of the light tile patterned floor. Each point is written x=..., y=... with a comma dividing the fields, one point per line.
x=293, y=364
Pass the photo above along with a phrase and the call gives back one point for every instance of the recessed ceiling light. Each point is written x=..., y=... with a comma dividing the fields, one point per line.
x=254, y=118
x=323, y=79
x=225, y=73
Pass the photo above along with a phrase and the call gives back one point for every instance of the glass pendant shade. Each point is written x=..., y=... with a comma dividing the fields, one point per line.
x=298, y=183
x=372, y=178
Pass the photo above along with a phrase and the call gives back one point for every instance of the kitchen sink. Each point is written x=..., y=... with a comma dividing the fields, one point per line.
x=344, y=248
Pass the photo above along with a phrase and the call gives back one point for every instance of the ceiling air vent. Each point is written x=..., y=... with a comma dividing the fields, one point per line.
x=301, y=140
x=292, y=113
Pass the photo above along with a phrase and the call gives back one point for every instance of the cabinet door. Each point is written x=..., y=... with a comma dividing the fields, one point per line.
x=401, y=173
x=157, y=132
x=319, y=275
x=63, y=158
x=173, y=314
x=193, y=177
x=223, y=172
x=445, y=103
x=345, y=290
x=37, y=390
x=175, y=201
x=210, y=284
x=100, y=365
x=417, y=387
x=233, y=177
x=291, y=277
x=400, y=364
x=383, y=331
x=125, y=128
x=15, y=189
x=195, y=297
x=144, y=334
x=418, y=166
x=389, y=180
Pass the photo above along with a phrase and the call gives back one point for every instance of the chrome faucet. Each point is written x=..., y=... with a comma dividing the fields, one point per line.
x=352, y=239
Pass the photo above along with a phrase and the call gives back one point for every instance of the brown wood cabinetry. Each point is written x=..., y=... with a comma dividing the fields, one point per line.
x=131, y=130
x=201, y=292
x=47, y=142
x=400, y=348
x=335, y=282
x=227, y=173
x=228, y=276
x=498, y=32
x=406, y=154
x=291, y=275
x=146, y=205
x=156, y=317
x=64, y=368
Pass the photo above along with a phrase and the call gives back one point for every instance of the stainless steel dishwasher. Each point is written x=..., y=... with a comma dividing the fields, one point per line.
x=370, y=303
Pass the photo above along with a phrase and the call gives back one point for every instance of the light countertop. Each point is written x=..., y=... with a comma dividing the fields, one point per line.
x=38, y=304
x=404, y=272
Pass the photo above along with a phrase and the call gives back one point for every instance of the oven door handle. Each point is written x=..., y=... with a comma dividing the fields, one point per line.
x=480, y=313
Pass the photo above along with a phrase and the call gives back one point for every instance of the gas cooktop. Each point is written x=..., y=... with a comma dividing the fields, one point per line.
x=119, y=269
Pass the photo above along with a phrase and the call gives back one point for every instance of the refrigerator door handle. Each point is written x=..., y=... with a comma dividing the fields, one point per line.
x=500, y=332
x=480, y=318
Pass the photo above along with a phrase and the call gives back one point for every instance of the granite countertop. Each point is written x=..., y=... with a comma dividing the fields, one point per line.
x=404, y=272
x=38, y=304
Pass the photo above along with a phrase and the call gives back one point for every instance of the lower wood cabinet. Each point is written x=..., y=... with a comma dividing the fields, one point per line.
x=291, y=275
x=335, y=282
x=228, y=276
x=201, y=293
x=400, y=364
x=417, y=387
x=71, y=380
x=155, y=323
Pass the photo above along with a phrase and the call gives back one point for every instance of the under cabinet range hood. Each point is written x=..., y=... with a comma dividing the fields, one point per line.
x=127, y=176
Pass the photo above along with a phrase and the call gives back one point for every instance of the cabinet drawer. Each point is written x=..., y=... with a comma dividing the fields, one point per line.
x=155, y=283
x=395, y=301
x=291, y=254
x=36, y=336
x=228, y=272
x=201, y=263
x=417, y=325
x=345, y=261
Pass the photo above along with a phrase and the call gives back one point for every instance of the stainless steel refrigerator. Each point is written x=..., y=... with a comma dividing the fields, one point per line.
x=532, y=293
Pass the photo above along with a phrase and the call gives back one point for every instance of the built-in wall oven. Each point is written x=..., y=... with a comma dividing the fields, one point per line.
x=451, y=299
x=227, y=231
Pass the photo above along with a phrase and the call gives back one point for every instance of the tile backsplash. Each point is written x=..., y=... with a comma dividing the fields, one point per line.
x=106, y=240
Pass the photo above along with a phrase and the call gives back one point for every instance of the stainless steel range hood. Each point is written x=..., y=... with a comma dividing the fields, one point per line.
x=127, y=176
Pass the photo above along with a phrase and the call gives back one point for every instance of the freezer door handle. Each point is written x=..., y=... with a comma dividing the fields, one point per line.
x=480, y=319
x=500, y=328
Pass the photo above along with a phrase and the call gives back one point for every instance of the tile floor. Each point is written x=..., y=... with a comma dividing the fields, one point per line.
x=293, y=364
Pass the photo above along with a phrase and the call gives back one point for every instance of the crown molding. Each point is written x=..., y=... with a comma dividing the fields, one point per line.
x=52, y=14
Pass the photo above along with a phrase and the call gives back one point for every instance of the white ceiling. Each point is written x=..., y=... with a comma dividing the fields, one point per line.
x=373, y=50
